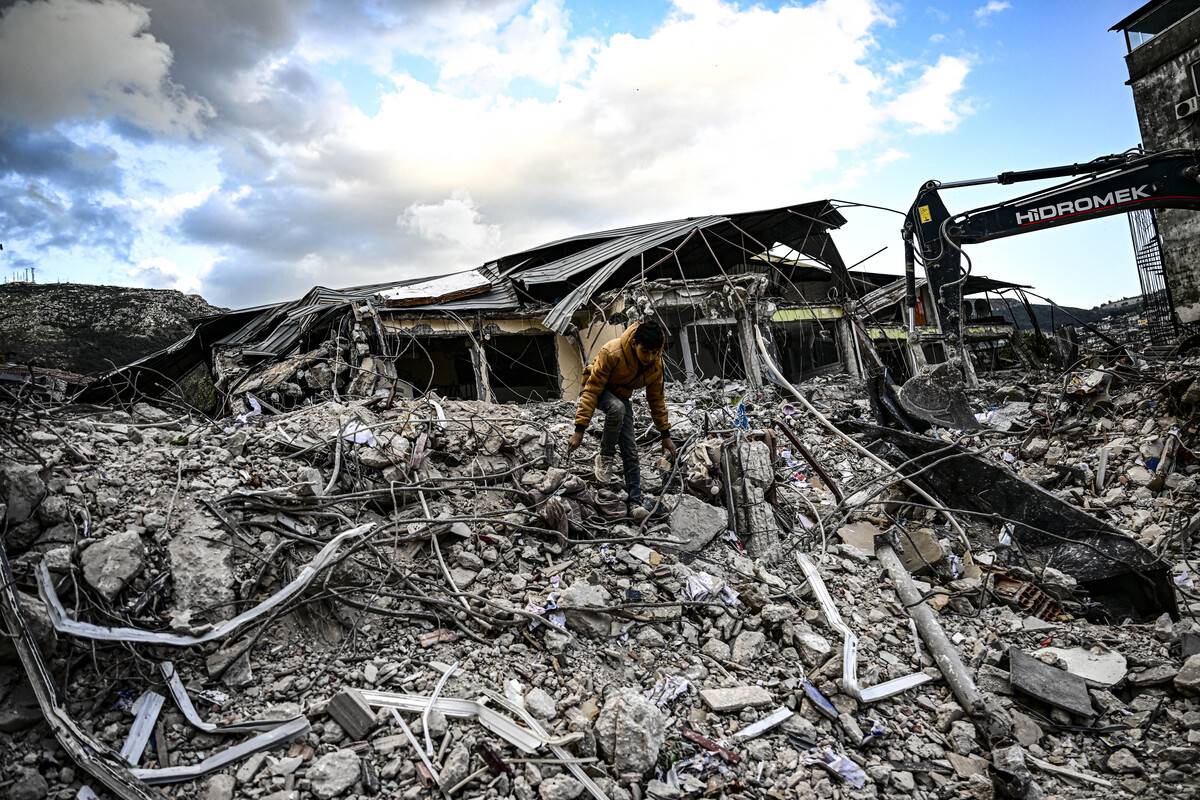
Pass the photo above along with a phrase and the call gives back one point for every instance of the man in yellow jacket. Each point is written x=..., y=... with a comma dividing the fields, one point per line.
x=623, y=365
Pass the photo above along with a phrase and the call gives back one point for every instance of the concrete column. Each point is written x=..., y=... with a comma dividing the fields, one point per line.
x=846, y=350
x=685, y=341
x=745, y=326
x=483, y=380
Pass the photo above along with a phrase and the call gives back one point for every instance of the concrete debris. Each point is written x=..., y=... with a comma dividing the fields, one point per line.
x=1049, y=684
x=109, y=564
x=736, y=698
x=1187, y=680
x=334, y=773
x=22, y=488
x=630, y=730
x=694, y=523
x=1098, y=666
x=201, y=560
x=327, y=569
x=578, y=598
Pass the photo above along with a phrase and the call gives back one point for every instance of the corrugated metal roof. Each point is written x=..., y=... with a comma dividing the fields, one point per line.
x=278, y=328
x=566, y=272
x=613, y=252
x=735, y=236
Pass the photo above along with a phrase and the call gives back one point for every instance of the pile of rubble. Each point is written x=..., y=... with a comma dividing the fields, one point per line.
x=426, y=598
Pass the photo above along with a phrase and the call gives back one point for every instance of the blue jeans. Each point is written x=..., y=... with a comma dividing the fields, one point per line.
x=618, y=431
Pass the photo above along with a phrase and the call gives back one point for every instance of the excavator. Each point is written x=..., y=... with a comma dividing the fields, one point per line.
x=934, y=238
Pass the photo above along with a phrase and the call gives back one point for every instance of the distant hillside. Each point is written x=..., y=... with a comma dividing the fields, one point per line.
x=1047, y=316
x=87, y=329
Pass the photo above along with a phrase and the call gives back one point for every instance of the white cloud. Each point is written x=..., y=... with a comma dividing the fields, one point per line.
x=931, y=104
x=721, y=107
x=74, y=60
x=991, y=8
x=535, y=45
x=456, y=223
x=162, y=273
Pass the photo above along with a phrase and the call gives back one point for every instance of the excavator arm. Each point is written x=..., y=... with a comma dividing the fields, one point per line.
x=1109, y=185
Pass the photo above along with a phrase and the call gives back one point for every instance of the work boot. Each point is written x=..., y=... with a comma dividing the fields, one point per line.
x=606, y=468
x=640, y=509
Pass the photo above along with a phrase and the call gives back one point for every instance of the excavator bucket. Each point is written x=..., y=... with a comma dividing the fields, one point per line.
x=938, y=396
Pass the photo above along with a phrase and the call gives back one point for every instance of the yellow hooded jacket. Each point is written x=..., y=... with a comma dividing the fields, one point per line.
x=616, y=368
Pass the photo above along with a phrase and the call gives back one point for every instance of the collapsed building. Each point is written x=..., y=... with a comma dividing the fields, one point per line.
x=334, y=547
x=521, y=328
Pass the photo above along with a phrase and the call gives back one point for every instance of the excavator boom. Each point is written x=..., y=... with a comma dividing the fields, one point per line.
x=1109, y=185
x=934, y=237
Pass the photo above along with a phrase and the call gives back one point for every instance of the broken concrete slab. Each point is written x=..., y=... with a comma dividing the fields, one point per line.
x=109, y=564
x=694, y=523
x=334, y=773
x=861, y=536
x=629, y=731
x=920, y=550
x=736, y=698
x=21, y=489
x=1050, y=685
x=1187, y=680
x=351, y=711
x=1099, y=667
x=202, y=567
x=1124, y=577
x=581, y=595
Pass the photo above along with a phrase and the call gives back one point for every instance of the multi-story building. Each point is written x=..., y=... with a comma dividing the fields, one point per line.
x=1163, y=57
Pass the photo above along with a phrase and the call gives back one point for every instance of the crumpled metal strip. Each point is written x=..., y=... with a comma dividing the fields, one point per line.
x=285, y=732
x=504, y=727
x=184, y=701
x=86, y=630
x=94, y=758
x=556, y=748
x=850, y=684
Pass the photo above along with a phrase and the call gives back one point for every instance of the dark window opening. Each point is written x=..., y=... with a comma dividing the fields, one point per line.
x=441, y=364
x=806, y=348
x=894, y=358
x=716, y=351
x=993, y=355
x=934, y=353
x=673, y=366
x=523, y=368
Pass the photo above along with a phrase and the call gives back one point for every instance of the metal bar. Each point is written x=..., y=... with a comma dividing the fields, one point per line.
x=285, y=732
x=184, y=702
x=559, y=751
x=94, y=758
x=499, y=724
x=809, y=457
x=943, y=651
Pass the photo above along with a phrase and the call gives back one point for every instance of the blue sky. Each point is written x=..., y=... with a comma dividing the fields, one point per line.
x=268, y=147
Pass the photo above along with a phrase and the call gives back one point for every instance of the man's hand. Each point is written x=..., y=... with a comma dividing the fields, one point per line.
x=574, y=442
x=670, y=447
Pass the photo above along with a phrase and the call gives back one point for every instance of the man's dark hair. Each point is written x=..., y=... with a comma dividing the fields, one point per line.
x=649, y=334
